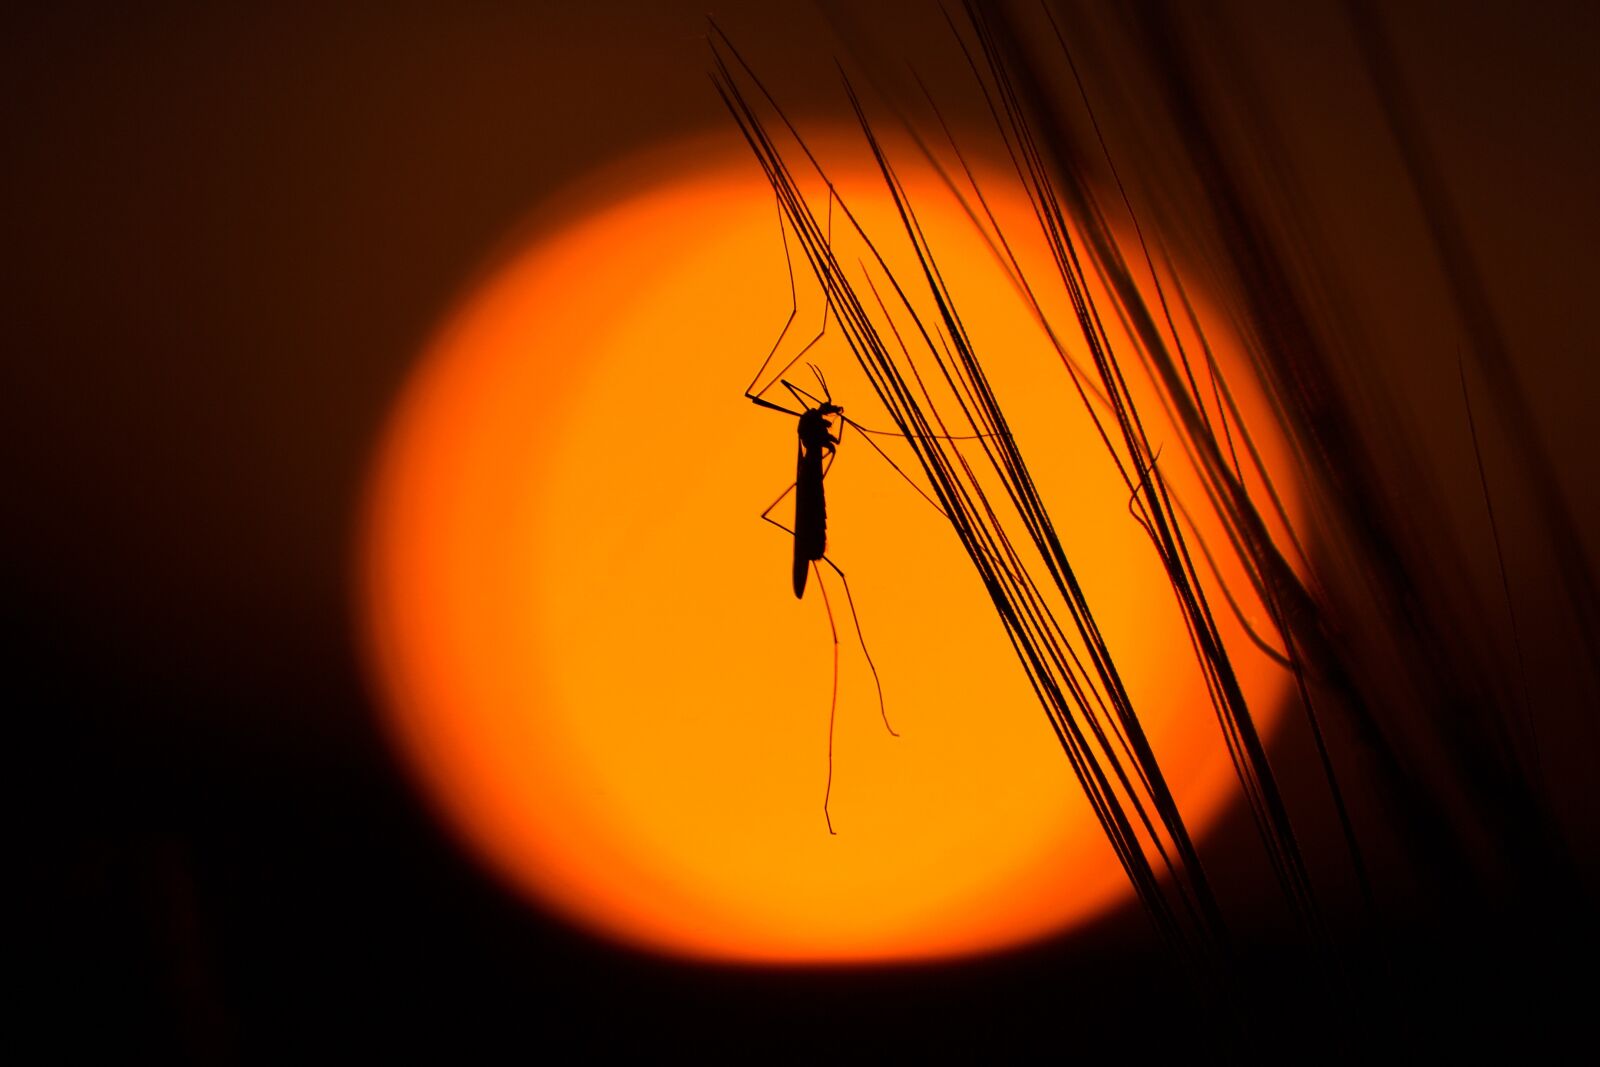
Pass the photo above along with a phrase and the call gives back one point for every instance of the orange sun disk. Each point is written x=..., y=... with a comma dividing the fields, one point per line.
x=586, y=643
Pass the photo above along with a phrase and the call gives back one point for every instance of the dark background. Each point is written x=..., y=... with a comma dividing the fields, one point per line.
x=227, y=232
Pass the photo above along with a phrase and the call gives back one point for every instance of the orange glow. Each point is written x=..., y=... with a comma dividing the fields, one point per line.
x=587, y=642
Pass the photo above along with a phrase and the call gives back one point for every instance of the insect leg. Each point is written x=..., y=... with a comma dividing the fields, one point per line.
x=799, y=394
x=827, y=305
x=908, y=479
x=855, y=617
x=833, y=700
x=766, y=512
x=794, y=308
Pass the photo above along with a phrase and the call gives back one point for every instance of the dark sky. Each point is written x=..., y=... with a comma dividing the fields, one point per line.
x=229, y=227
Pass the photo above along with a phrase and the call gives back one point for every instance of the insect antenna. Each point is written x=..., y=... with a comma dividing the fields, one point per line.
x=824, y=382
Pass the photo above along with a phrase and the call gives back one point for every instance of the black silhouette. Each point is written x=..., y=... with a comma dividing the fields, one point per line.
x=816, y=449
x=815, y=454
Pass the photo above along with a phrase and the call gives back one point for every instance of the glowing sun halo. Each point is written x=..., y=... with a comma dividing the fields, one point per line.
x=587, y=644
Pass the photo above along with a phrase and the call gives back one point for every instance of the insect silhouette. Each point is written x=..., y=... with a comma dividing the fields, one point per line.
x=815, y=451
x=810, y=504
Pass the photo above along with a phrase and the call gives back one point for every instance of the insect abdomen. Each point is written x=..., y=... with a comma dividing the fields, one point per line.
x=810, y=517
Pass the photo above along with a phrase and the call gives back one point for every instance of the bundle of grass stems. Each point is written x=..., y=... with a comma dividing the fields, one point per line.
x=1440, y=746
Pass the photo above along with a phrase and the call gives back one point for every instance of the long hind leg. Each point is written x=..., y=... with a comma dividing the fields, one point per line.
x=855, y=617
x=833, y=629
x=833, y=699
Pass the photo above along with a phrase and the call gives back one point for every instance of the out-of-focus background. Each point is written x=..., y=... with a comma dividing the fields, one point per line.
x=228, y=230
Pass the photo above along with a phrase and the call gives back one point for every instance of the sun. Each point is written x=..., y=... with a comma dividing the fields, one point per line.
x=588, y=649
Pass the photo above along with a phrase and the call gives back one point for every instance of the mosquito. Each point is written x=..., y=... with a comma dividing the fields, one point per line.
x=814, y=456
x=817, y=446
x=815, y=451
